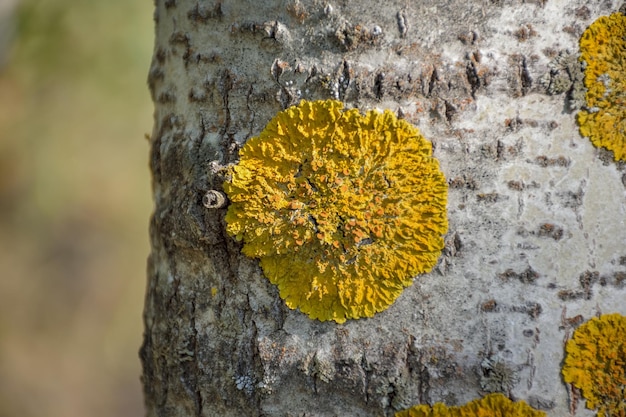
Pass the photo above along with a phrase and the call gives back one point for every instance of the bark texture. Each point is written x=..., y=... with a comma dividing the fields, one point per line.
x=536, y=237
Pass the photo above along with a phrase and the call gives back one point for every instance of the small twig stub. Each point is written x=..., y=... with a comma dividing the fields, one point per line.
x=214, y=199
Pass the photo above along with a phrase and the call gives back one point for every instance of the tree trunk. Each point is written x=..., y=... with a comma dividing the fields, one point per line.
x=536, y=233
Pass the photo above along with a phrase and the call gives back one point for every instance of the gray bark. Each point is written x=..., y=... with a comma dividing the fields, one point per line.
x=536, y=213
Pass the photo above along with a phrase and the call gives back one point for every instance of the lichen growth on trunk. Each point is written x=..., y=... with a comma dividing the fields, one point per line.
x=596, y=363
x=492, y=405
x=342, y=209
x=603, y=47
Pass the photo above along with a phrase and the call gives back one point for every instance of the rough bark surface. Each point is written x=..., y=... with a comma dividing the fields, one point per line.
x=536, y=242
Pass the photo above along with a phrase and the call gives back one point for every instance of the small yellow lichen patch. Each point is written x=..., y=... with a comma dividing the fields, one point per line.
x=596, y=364
x=603, y=49
x=493, y=405
x=342, y=209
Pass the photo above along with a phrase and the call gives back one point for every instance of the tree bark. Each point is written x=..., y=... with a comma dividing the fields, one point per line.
x=536, y=234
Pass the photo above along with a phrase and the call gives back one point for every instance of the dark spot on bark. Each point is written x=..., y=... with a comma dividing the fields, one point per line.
x=378, y=85
x=202, y=13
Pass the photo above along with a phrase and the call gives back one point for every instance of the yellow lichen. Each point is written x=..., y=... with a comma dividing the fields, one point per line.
x=492, y=405
x=342, y=209
x=596, y=364
x=603, y=49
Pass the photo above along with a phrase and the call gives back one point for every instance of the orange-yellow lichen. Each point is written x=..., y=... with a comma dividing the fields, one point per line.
x=596, y=364
x=342, y=209
x=492, y=405
x=603, y=49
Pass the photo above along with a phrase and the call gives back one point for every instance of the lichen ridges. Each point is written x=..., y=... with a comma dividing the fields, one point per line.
x=603, y=49
x=492, y=405
x=342, y=209
x=596, y=364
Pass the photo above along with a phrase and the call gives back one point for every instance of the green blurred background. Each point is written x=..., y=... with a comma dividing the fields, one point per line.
x=74, y=205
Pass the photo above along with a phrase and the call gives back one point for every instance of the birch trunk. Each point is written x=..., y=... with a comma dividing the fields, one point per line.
x=536, y=233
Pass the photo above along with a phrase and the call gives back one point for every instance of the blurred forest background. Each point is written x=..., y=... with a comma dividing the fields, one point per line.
x=74, y=205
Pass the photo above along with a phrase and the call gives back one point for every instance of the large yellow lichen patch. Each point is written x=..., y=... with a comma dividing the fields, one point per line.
x=596, y=364
x=603, y=49
x=493, y=405
x=342, y=209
